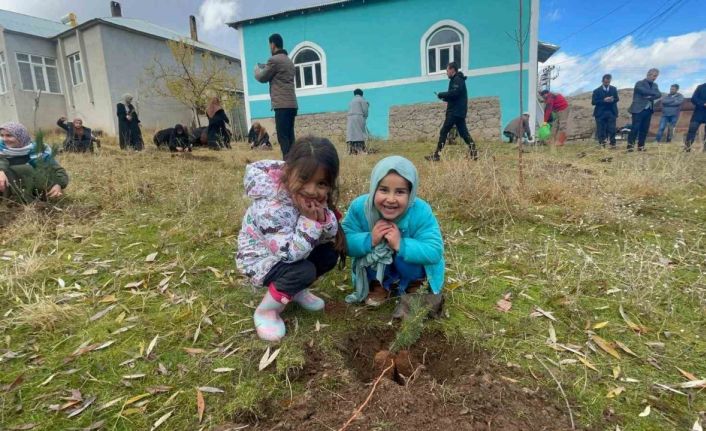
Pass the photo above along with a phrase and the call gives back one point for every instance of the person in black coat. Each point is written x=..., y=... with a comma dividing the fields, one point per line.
x=175, y=138
x=456, y=99
x=78, y=138
x=258, y=138
x=698, y=117
x=218, y=133
x=129, y=125
x=605, y=99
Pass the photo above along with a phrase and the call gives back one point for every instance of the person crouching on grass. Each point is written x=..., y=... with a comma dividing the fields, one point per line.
x=28, y=172
x=290, y=234
x=393, y=237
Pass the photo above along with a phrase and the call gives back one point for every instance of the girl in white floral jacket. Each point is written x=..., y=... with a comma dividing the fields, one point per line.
x=290, y=235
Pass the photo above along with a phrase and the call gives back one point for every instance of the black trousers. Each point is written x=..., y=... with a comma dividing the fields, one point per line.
x=640, y=127
x=284, y=123
x=605, y=128
x=697, y=119
x=292, y=278
x=460, y=123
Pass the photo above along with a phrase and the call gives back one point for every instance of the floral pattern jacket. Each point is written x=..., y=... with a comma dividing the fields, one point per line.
x=273, y=230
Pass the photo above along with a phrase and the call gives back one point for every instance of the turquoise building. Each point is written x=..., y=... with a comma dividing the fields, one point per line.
x=396, y=51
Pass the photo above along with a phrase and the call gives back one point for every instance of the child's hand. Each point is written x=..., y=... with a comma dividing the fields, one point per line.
x=393, y=237
x=55, y=192
x=381, y=228
x=311, y=209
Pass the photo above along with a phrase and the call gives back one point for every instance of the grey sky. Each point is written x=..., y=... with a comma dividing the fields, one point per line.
x=173, y=14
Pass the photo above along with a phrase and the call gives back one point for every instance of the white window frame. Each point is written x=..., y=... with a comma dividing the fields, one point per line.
x=76, y=69
x=44, y=67
x=299, y=68
x=426, y=38
x=4, y=84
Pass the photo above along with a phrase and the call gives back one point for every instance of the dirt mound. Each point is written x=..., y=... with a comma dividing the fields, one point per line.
x=455, y=387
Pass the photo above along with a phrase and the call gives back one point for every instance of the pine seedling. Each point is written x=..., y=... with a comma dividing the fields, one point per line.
x=412, y=327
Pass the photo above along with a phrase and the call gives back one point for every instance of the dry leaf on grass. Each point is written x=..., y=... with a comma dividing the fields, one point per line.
x=625, y=348
x=101, y=313
x=504, y=304
x=267, y=359
x=22, y=427
x=200, y=404
x=601, y=325
x=615, y=392
x=161, y=420
x=605, y=346
x=687, y=374
x=552, y=334
x=693, y=384
x=193, y=351
x=632, y=325
x=646, y=412
x=223, y=370
x=83, y=407
x=588, y=364
x=136, y=398
x=538, y=312
x=697, y=425
x=95, y=426
x=210, y=389
x=151, y=257
x=134, y=284
x=110, y=403
x=151, y=346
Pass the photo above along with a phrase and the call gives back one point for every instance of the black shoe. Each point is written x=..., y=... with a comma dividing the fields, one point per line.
x=433, y=157
x=613, y=147
x=643, y=149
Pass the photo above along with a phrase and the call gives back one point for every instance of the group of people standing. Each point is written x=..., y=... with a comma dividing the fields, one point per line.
x=646, y=93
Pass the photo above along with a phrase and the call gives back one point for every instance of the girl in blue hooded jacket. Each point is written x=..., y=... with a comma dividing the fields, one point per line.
x=393, y=237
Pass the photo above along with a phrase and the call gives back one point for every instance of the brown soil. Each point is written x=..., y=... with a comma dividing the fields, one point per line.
x=455, y=388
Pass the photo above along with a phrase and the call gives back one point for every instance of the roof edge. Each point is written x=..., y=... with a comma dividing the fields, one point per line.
x=285, y=13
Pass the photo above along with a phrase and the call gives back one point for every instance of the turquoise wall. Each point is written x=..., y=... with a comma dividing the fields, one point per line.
x=380, y=40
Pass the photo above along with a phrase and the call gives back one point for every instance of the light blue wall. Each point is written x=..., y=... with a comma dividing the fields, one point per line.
x=380, y=40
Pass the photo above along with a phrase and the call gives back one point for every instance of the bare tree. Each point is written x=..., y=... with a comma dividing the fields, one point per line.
x=192, y=77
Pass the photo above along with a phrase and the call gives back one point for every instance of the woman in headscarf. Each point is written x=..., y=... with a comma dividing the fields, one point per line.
x=258, y=138
x=28, y=170
x=78, y=138
x=129, y=125
x=218, y=134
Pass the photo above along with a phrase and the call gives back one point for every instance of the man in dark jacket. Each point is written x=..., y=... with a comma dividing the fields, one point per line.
x=78, y=138
x=279, y=72
x=671, y=106
x=698, y=117
x=456, y=99
x=643, y=99
x=605, y=99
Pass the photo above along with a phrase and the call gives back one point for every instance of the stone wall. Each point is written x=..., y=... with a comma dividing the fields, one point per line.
x=423, y=121
x=331, y=125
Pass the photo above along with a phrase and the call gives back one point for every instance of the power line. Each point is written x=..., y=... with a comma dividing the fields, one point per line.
x=595, y=21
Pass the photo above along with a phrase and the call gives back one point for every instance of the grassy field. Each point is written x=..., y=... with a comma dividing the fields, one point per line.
x=120, y=300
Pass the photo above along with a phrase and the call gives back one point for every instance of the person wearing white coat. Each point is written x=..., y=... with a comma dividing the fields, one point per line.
x=356, y=131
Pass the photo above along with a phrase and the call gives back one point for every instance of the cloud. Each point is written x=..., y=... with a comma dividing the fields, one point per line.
x=214, y=14
x=554, y=15
x=681, y=59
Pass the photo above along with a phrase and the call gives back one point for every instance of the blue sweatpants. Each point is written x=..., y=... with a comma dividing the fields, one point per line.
x=399, y=272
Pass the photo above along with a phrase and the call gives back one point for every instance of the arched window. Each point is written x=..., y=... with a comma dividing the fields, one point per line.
x=308, y=64
x=444, y=46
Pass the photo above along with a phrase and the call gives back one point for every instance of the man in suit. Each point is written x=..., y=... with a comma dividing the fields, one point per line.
x=605, y=99
x=698, y=117
x=644, y=96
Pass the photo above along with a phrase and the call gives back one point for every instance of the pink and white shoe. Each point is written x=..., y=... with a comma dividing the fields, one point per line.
x=309, y=301
x=268, y=324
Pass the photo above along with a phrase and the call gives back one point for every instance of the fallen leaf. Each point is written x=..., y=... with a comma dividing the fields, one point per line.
x=193, y=351
x=151, y=257
x=210, y=389
x=504, y=304
x=646, y=412
x=539, y=312
x=22, y=427
x=693, y=384
x=104, y=345
x=601, y=325
x=200, y=404
x=110, y=403
x=552, y=333
x=133, y=376
x=151, y=346
x=18, y=380
x=134, y=284
x=687, y=374
x=91, y=271
x=616, y=372
x=83, y=407
x=223, y=370
x=101, y=313
x=49, y=379
x=615, y=392
x=625, y=348
x=108, y=298
x=697, y=425
x=136, y=398
x=603, y=344
x=162, y=369
x=588, y=364
x=267, y=359
x=161, y=420
x=159, y=389
x=632, y=325
x=95, y=426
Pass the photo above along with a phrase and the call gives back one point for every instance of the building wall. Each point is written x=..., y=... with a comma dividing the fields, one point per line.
x=371, y=44
x=51, y=106
x=7, y=100
x=127, y=55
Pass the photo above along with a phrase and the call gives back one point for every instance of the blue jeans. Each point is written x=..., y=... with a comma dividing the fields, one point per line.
x=399, y=272
x=667, y=120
